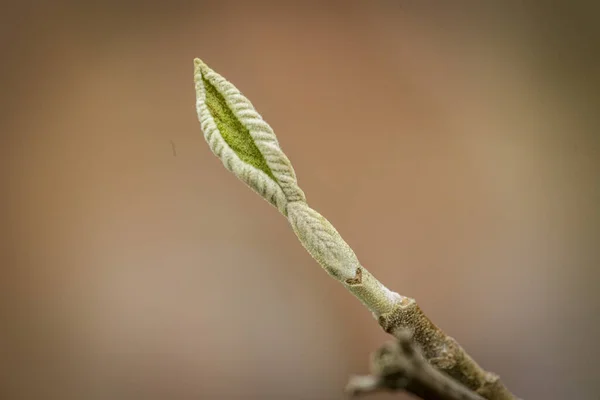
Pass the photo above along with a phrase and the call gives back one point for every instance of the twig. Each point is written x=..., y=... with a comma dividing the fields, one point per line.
x=401, y=366
x=248, y=147
x=442, y=351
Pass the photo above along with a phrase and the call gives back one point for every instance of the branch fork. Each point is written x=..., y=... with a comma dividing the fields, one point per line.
x=400, y=365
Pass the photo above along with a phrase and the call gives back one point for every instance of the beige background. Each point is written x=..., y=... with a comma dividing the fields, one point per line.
x=454, y=151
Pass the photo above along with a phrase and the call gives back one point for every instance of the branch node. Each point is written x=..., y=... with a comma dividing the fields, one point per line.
x=400, y=366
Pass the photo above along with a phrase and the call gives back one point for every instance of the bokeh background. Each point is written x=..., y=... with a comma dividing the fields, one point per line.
x=454, y=146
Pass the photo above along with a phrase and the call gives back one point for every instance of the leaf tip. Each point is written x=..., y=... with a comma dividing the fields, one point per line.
x=200, y=69
x=198, y=63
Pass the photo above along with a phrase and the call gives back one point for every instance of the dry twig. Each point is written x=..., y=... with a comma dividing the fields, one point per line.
x=400, y=366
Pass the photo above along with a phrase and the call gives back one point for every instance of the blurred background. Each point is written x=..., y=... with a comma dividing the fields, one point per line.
x=454, y=146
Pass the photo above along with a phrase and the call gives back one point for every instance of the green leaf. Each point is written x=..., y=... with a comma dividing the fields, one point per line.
x=244, y=142
x=234, y=133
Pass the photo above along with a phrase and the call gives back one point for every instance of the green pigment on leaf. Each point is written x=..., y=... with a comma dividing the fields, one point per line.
x=236, y=135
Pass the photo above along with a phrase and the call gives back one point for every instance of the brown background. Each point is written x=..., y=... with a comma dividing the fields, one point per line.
x=455, y=151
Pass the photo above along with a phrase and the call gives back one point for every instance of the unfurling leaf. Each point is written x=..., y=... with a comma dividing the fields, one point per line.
x=323, y=242
x=246, y=144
